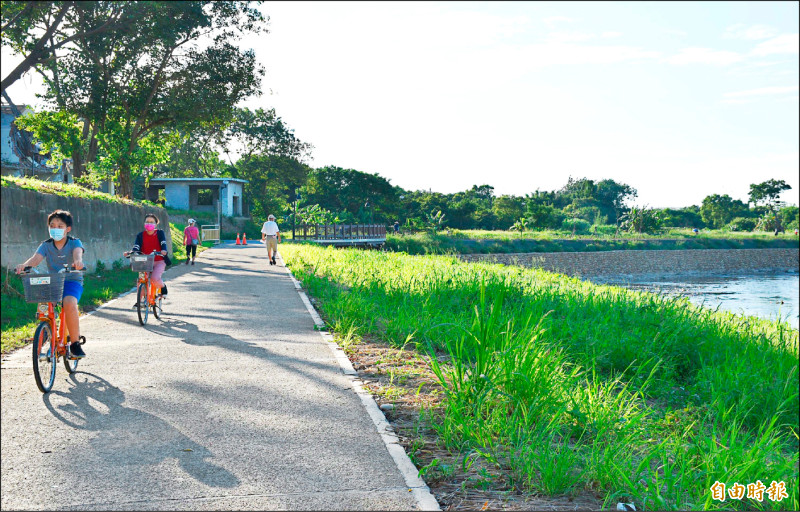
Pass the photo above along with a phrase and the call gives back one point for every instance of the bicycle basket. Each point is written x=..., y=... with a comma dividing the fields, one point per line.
x=43, y=287
x=142, y=262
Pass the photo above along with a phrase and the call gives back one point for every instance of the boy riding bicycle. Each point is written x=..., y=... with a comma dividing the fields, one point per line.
x=59, y=250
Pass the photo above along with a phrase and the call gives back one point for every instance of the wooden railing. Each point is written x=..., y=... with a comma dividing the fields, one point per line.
x=340, y=232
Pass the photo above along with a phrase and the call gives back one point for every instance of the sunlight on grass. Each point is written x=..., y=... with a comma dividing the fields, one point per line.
x=576, y=386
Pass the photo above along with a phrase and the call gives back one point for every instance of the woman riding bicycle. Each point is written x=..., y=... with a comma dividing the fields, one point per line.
x=152, y=240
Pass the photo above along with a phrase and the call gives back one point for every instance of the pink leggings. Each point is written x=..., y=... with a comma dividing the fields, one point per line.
x=158, y=268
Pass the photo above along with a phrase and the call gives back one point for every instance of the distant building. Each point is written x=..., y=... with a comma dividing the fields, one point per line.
x=201, y=194
x=20, y=157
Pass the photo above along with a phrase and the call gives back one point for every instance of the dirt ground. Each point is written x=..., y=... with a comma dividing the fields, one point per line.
x=403, y=378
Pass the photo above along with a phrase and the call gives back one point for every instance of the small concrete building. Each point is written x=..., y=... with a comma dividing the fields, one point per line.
x=201, y=194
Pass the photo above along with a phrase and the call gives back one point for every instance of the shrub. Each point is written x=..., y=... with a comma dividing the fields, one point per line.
x=742, y=224
x=604, y=229
x=578, y=226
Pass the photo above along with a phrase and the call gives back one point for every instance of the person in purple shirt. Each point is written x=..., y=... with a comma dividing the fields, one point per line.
x=191, y=238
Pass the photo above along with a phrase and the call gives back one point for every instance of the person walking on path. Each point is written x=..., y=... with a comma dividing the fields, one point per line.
x=191, y=237
x=271, y=235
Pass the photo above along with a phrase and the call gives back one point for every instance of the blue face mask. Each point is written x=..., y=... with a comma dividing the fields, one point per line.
x=57, y=233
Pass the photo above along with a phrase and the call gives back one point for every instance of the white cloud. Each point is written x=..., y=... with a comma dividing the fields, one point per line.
x=761, y=91
x=568, y=37
x=704, y=56
x=742, y=31
x=675, y=32
x=552, y=20
x=555, y=54
x=610, y=34
x=787, y=43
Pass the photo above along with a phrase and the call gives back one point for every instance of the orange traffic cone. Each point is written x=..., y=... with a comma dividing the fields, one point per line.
x=238, y=242
x=244, y=238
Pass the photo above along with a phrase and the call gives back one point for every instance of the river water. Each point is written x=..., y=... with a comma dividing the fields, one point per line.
x=771, y=296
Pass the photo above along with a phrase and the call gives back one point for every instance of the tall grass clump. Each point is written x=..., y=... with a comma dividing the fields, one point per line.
x=569, y=386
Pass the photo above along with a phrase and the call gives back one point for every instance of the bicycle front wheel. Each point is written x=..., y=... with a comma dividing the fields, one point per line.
x=70, y=364
x=44, y=357
x=157, y=307
x=142, y=307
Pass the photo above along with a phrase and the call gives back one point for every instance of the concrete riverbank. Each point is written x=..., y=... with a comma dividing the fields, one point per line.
x=604, y=263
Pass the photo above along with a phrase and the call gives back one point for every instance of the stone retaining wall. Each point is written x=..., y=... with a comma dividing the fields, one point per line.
x=105, y=229
x=606, y=263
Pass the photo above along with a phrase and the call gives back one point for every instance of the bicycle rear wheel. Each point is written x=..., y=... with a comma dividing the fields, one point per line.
x=142, y=307
x=44, y=357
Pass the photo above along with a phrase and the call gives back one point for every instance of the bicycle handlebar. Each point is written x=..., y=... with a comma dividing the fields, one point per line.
x=128, y=254
x=69, y=268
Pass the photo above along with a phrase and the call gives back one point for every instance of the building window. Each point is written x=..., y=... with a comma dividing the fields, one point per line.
x=205, y=197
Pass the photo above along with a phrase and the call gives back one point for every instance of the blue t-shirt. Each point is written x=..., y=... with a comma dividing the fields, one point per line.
x=56, y=259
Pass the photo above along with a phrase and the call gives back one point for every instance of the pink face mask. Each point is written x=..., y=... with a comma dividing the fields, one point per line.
x=149, y=227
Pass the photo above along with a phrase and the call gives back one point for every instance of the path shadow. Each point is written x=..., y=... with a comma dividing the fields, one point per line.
x=130, y=437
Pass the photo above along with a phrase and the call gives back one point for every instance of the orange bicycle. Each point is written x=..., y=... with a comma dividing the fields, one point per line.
x=147, y=295
x=47, y=290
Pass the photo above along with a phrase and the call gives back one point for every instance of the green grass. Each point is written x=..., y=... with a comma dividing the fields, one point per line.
x=569, y=386
x=67, y=190
x=18, y=318
x=498, y=242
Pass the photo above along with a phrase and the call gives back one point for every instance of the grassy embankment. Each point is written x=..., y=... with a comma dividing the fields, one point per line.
x=499, y=242
x=17, y=318
x=560, y=387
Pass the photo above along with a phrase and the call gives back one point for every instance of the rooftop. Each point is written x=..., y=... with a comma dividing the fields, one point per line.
x=157, y=181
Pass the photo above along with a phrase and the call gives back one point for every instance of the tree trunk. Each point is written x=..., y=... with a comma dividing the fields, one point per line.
x=124, y=178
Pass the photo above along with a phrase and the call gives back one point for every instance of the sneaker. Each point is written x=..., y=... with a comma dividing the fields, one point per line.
x=187, y=262
x=164, y=290
x=192, y=262
x=74, y=351
x=273, y=261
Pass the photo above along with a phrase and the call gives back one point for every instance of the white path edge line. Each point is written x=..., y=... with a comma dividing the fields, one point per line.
x=418, y=487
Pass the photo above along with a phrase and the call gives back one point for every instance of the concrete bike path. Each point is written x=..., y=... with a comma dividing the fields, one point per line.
x=232, y=401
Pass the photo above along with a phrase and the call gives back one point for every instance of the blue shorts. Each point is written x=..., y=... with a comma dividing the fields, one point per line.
x=73, y=288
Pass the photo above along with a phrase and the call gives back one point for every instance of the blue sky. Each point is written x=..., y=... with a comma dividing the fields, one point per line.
x=677, y=99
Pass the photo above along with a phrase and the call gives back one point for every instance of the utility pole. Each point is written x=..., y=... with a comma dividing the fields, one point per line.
x=294, y=216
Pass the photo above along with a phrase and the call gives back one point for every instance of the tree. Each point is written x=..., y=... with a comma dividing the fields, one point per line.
x=38, y=29
x=767, y=194
x=348, y=190
x=687, y=217
x=544, y=216
x=273, y=180
x=612, y=197
x=507, y=210
x=156, y=74
x=641, y=220
x=58, y=132
x=718, y=210
x=262, y=131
